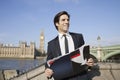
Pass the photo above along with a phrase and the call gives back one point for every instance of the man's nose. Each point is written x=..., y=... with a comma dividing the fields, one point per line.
x=66, y=21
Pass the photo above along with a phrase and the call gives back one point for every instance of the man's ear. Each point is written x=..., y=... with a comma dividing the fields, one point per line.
x=56, y=24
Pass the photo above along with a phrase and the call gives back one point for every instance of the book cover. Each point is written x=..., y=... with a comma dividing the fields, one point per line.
x=71, y=64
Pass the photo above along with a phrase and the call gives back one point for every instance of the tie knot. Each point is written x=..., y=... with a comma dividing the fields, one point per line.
x=64, y=35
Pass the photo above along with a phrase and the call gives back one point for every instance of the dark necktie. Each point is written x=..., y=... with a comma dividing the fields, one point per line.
x=66, y=44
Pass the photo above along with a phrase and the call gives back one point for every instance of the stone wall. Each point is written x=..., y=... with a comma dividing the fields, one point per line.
x=101, y=71
x=1, y=75
x=9, y=74
x=105, y=71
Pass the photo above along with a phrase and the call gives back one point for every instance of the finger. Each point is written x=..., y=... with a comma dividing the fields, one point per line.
x=90, y=60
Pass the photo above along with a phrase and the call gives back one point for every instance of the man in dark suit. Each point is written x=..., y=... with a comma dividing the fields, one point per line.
x=57, y=46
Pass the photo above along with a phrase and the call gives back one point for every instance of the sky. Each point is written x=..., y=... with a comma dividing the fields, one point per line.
x=24, y=20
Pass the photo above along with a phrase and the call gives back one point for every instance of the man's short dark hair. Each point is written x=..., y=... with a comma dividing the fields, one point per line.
x=57, y=17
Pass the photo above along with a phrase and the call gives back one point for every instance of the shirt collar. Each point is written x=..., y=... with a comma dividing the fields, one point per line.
x=61, y=35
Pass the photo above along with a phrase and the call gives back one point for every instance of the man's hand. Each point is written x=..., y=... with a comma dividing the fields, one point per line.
x=90, y=62
x=48, y=72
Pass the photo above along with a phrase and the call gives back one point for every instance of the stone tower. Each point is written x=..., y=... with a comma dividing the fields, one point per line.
x=99, y=49
x=42, y=41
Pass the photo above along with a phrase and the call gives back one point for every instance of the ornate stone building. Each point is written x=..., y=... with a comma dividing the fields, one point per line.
x=22, y=50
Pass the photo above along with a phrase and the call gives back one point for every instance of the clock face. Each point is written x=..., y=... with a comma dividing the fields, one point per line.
x=42, y=37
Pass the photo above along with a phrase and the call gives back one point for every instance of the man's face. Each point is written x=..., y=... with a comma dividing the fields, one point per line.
x=63, y=24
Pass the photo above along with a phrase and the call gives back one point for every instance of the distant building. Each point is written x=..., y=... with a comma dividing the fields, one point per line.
x=42, y=43
x=22, y=50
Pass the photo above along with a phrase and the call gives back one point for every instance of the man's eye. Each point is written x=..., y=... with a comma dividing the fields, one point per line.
x=63, y=19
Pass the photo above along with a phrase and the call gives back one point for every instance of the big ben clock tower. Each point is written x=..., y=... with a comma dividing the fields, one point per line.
x=42, y=41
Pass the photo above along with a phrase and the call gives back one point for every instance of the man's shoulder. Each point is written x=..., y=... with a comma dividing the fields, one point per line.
x=77, y=34
x=53, y=40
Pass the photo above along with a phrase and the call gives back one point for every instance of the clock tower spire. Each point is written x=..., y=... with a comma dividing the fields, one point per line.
x=42, y=42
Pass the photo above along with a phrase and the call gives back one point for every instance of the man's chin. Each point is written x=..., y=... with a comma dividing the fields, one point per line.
x=65, y=31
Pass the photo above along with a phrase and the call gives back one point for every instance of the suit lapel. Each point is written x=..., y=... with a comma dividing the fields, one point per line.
x=74, y=40
x=57, y=47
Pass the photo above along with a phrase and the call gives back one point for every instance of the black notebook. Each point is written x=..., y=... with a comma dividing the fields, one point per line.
x=71, y=64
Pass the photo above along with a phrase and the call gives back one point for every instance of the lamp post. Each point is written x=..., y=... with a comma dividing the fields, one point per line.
x=99, y=49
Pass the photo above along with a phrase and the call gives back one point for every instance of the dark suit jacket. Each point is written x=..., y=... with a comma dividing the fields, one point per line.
x=53, y=49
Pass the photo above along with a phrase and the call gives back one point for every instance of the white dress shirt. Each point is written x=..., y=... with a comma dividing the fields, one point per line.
x=62, y=43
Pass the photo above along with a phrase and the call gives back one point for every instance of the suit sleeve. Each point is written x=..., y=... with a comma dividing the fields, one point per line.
x=49, y=54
